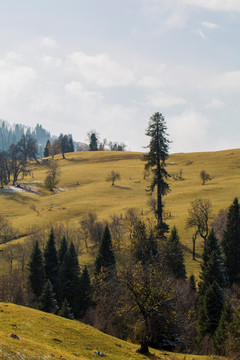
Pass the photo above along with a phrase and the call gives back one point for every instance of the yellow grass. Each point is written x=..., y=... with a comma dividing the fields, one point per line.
x=83, y=177
x=47, y=336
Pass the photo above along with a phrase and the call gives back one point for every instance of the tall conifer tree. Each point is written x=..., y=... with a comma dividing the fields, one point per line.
x=231, y=243
x=51, y=262
x=36, y=270
x=174, y=255
x=105, y=259
x=70, y=280
x=156, y=162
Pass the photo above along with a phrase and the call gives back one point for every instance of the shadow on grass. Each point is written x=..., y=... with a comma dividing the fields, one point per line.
x=187, y=250
x=15, y=197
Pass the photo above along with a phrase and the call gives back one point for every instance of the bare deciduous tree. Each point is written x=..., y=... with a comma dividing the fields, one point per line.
x=204, y=177
x=198, y=218
x=113, y=176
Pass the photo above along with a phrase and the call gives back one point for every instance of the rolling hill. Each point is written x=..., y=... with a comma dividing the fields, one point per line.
x=31, y=334
x=83, y=188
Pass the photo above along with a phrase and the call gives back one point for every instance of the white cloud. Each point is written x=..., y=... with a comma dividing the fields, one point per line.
x=49, y=60
x=215, y=104
x=209, y=25
x=75, y=88
x=188, y=130
x=101, y=70
x=228, y=81
x=15, y=81
x=215, y=5
x=13, y=56
x=48, y=42
x=164, y=100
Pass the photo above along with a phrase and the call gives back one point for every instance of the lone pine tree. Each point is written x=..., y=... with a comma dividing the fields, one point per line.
x=156, y=162
x=231, y=243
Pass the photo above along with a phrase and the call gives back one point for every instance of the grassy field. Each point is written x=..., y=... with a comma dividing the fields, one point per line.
x=83, y=188
x=47, y=336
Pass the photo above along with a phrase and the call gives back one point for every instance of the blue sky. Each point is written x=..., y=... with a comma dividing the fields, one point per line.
x=109, y=65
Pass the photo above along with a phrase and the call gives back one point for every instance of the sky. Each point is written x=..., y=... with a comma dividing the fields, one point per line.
x=108, y=65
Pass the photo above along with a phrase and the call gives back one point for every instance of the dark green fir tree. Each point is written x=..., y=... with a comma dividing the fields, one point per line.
x=51, y=262
x=105, y=260
x=46, y=151
x=231, y=243
x=70, y=280
x=65, y=310
x=212, y=267
x=70, y=145
x=221, y=333
x=85, y=290
x=62, y=250
x=174, y=255
x=210, y=310
x=47, y=301
x=36, y=271
x=192, y=283
x=156, y=162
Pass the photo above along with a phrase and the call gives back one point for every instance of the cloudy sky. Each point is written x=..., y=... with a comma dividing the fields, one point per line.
x=76, y=65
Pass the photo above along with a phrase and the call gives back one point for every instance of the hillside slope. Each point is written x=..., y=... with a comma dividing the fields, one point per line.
x=46, y=336
x=83, y=188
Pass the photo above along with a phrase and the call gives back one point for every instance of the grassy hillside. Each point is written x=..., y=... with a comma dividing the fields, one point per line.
x=47, y=336
x=83, y=188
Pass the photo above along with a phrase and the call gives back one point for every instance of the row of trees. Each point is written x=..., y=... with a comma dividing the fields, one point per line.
x=13, y=162
x=95, y=144
x=56, y=280
x=63, y=144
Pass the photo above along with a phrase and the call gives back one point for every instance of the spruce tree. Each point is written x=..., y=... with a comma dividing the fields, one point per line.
x=65, y=310
x=36, y=270
x=222, y=330
x=210, y=310
x=51, y=262
x=192, y=283
x=105, y=259
x=231, y=243
x=70, y=280
x=70, y=145
x=85, y=290
x=213, y=278
x=212, y=267
x=156, y=162
x=174, y=255
x=46, y=151
x=144, y=247
x=62, y=250
x=47, y=301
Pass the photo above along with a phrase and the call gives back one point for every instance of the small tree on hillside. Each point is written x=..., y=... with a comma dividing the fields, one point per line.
x=204, y=177
x=113, y=176
x=53, y=175
x=93, y=140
